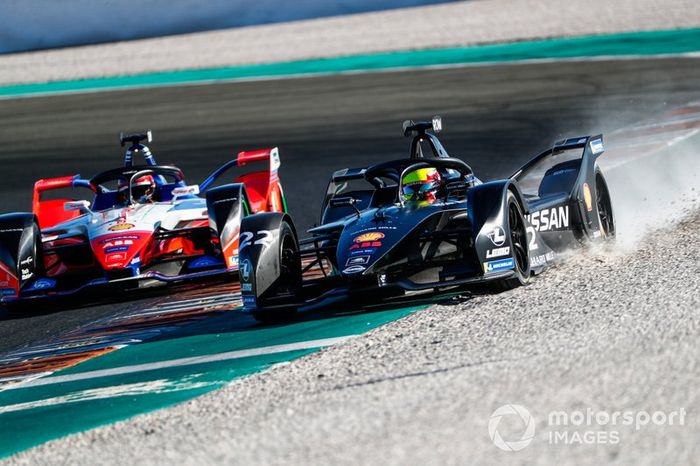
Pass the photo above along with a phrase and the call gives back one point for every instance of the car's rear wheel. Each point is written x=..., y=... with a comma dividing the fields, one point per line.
x=606, y=218
x=519, y=245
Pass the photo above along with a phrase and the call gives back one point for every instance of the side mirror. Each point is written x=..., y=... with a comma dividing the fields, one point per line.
x=81, y=206
x=457, y=186
x=344, y=202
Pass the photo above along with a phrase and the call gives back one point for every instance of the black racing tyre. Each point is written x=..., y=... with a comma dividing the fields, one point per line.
x=606, y=218
x=289, y=283
x=519, y=245
x=38, y=251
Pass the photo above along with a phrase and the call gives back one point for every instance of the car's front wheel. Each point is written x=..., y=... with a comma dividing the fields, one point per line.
x=519, y=245
x=288, y=285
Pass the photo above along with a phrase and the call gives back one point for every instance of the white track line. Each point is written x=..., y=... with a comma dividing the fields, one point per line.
x=227, y=356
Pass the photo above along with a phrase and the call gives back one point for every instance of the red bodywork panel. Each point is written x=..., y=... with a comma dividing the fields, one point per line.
x=115, y=251
x=8, y=281
x=263, y=187
x=52, y=212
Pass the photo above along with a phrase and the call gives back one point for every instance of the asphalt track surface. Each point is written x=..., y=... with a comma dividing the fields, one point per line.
x=495, y=117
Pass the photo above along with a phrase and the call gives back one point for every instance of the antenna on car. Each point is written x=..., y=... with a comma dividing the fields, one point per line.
x=136, y=147
x=420, y=134
x=135, y=138
x=409, y=126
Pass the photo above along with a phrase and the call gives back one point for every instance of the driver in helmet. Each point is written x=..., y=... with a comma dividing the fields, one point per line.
x=141, y=190
x=420, y=187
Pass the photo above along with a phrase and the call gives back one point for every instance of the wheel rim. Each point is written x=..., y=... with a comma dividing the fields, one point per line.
x=518, y=237
x=605, y=215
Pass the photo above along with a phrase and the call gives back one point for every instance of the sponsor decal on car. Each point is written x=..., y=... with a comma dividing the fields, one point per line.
x=555, y=218
x=354, y=269
x=27, y=261
x=497, y=236
x=113, y=240
x=115, y=249
x=8, y=292
x=375, y=228
x=26, y=273
x=357, y=260
x=366, y=243
x=497, y=252
x=365, y=248
x=541, y=259
x=121, y=227
x=597, y=146
x=246, y=268
x=497, y=266
x=205, y=261
x=371, y=236
x=249, y=301
x=246, y=287
x=587, y=198
x=115, y=257
x=42, y=284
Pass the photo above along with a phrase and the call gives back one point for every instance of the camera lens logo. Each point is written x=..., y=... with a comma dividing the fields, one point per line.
x=246, y=268
x=525, y=417
x=497, y=236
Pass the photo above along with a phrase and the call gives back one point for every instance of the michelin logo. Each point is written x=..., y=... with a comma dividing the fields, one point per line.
x=502, y=264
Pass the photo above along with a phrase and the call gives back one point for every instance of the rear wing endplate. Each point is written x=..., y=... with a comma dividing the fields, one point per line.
x=244, y=158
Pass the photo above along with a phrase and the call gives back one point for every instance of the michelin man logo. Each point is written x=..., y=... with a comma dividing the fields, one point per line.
x=512, y=410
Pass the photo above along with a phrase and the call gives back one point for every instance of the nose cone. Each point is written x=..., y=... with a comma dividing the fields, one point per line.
x=116, y=251
x=369, y=238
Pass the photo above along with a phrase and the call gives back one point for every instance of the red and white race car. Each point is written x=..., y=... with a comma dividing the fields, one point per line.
x=132, y=225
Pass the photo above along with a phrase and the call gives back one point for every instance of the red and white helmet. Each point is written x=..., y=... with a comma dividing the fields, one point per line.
x=142, y=188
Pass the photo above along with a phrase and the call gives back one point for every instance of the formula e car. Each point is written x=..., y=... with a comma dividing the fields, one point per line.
x=373, y=240
x=141, y=224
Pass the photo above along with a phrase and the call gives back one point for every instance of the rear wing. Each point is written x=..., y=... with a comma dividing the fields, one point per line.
x=347, y=174
x=243, y=159
x=51, y=212
x=564, y=177
x=592, y=147
x=263, y=187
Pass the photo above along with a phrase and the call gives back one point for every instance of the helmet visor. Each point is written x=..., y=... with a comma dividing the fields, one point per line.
x=418, y=191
